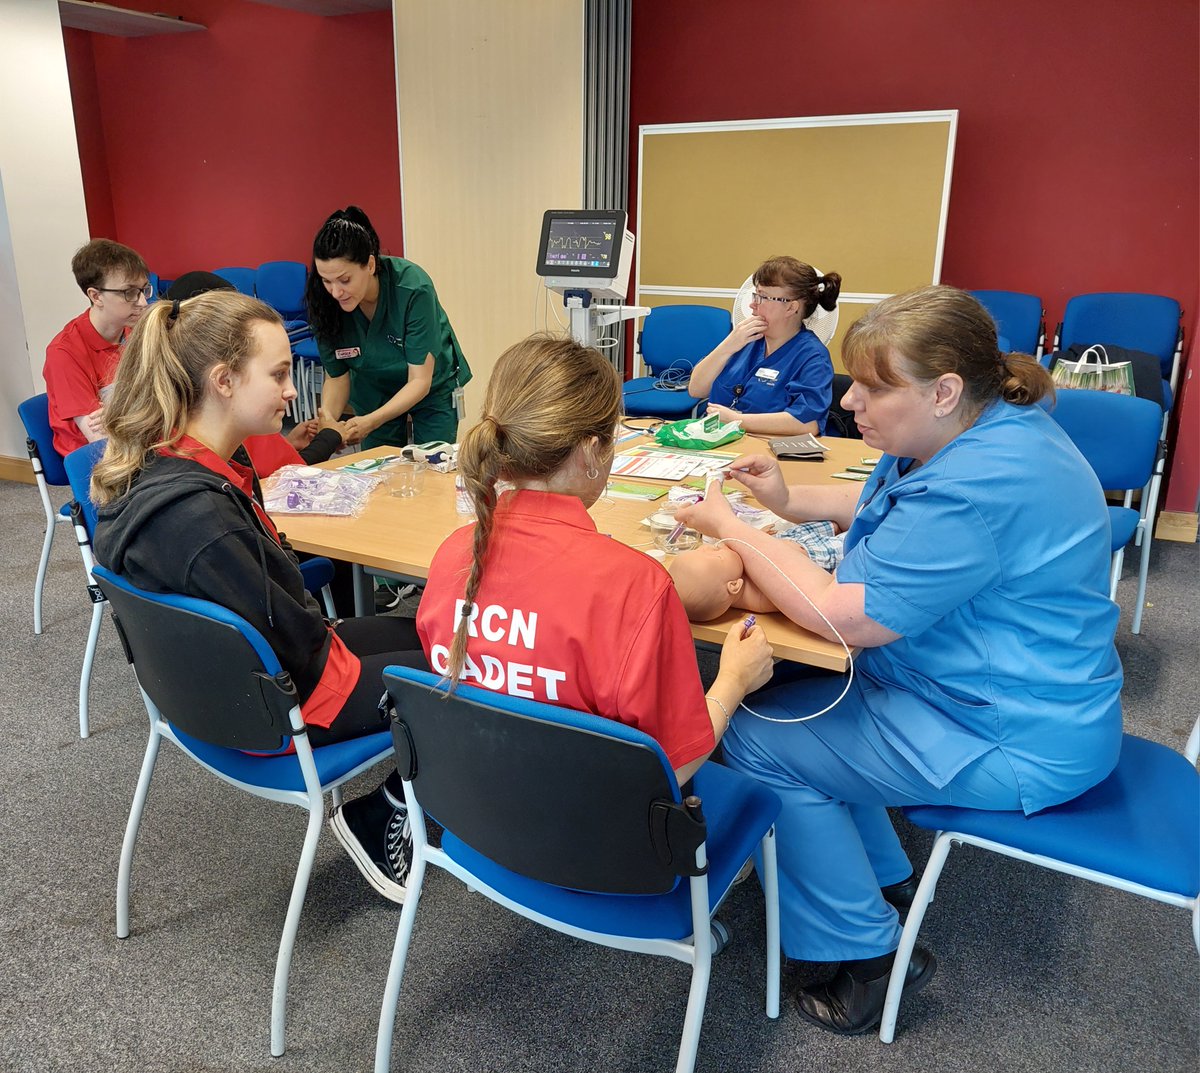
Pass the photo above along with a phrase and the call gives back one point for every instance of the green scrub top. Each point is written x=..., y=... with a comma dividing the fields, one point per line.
x=409, y=324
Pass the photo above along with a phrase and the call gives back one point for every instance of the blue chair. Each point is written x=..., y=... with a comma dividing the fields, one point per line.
x=309, y=375
x=1148, y=322
x=49, y=473
x=1019, y=318
x=1120, y=437
x=243, y=279
x=79, y=464
x=176, y=645
x=672, y=340
x=281, y=285
x=152, y=279
x=1137, y=831
x=574, y=822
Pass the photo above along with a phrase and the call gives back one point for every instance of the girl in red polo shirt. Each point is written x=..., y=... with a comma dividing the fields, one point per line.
x=177, y=514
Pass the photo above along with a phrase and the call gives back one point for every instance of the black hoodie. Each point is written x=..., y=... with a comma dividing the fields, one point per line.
x=182, y=528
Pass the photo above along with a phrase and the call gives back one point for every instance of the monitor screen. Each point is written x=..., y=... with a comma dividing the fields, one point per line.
x=580, y=242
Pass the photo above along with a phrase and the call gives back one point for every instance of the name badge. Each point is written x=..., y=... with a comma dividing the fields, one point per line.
x=347, y=353
x=767, y=376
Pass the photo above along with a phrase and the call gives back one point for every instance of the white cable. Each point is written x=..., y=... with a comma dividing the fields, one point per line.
x=833, y=629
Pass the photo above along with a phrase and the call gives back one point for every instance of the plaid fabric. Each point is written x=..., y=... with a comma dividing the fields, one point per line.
x=820, y=539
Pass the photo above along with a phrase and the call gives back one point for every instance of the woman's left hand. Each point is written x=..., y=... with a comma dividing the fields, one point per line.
x=723, y=412
x=711, y=515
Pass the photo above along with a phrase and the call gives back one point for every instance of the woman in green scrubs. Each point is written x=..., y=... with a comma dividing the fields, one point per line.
x=386, y=344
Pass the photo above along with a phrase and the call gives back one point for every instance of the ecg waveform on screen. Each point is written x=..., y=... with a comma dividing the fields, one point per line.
x=578, y=242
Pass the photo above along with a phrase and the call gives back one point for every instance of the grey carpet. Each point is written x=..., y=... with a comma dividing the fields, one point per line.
x=1037, y=971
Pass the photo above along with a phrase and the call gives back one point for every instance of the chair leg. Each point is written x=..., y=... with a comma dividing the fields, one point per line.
x=327, y=600
x=85, y=675
x=770, y=882
x=395, y=976
x=131, y=833
x=908, y=937
x=291, y=924
x=1145, y=533
x=689, y=1043
x=1114, y=573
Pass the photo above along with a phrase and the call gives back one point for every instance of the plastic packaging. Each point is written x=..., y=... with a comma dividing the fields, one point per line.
x=308, y=490
x=463, y=504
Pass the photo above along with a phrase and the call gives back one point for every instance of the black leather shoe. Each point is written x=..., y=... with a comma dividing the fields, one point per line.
x=850, y=1006
x=900, y=895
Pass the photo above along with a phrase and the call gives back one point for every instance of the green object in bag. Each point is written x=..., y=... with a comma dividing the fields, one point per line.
x=1094, y=372
x=699, y=434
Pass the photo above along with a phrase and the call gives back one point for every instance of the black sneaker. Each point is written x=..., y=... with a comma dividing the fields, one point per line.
x=378, y=838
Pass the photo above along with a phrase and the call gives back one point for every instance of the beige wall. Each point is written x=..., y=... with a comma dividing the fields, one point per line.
x=490, y=110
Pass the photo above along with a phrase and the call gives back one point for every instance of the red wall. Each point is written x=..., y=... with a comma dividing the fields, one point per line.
x=1076, y=162
x=231, y=145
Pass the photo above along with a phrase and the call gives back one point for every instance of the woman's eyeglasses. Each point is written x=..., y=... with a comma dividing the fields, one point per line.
x=130, y=294
x=759, y=298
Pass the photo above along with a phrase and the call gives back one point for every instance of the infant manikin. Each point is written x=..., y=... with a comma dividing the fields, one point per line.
x=712, y=578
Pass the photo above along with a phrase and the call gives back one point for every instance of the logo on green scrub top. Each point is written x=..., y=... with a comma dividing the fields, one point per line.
x=396, y=342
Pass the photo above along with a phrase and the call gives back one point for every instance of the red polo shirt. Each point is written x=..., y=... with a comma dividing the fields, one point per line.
x=79, y=362
x=572, y=617
x=342, y=667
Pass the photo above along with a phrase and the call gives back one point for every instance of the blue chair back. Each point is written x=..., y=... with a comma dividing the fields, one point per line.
x=79, y=464
x=175, y=642
x=152, y=278
x=35, y=416
x=1018, y=317
x=1117, y=434
x=1147, y=322
x=678, y=336
x=243, y=279
x=281, y=285
x=557, y=795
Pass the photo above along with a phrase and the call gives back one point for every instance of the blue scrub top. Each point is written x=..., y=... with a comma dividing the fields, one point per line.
x=991, y=562
x=797, y=377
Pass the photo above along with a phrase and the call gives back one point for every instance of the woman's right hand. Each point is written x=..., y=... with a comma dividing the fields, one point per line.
x=746, y=331
x=764, y=479
x=747, y=657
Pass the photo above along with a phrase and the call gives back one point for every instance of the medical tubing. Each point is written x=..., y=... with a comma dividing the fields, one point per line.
x=841, y=640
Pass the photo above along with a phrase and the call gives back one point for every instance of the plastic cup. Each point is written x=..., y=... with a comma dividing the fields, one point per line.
x=685, y=540
x=405, y=478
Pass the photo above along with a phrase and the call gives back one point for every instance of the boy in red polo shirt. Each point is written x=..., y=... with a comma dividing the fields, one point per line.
x=81, y=361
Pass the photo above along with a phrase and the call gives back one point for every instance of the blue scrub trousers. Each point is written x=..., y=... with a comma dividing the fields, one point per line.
x=836, y=775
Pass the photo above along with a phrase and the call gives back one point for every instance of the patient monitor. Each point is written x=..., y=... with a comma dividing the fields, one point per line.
x=586, y=255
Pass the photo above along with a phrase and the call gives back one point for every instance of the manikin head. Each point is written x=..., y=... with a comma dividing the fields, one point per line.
x=708, y=580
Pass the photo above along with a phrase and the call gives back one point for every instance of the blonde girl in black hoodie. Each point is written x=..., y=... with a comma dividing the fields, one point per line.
x=177, y=514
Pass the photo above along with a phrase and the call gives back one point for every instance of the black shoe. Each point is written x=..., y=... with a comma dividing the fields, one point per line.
x=900, y=895
x=379, y=840
x=851, y=1006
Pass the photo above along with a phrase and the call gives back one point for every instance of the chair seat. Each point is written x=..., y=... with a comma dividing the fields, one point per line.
x=65, y=511
x=306, y=349
x=1141, y=824
x=737, y=809
x=643, y=399
x=282, y=772
x=1124, y=521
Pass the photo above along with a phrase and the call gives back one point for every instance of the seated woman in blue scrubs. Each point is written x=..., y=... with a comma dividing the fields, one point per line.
x=976, y=584
x=772, y=372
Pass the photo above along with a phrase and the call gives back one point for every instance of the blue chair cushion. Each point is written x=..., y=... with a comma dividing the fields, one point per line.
x=1124, y=521
x=738, y=810
x=306, y=349
x=1141, y=824
x=282, y=772
x=643, y=399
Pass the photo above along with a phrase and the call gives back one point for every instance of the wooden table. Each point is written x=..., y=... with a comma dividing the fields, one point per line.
x=397, y=538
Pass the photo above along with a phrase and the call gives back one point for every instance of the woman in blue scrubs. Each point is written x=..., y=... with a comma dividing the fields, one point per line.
x=771, y=372
x=976, y=584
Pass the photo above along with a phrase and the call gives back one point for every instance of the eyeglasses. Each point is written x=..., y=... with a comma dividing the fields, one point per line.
x=130, y=294
x=760, y=298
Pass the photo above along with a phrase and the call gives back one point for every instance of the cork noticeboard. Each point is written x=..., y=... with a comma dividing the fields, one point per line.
x=865, y=196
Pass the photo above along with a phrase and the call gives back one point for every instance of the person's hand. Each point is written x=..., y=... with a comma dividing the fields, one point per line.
x=342, y=428
x=746, y=331
x=354, y=430
x=746, y=655
x=95, y=421
x=302, y=435
x=763, y=478
x=723, y=412
x=711, y=514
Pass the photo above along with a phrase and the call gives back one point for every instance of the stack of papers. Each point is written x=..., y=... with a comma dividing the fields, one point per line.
x=648, y=463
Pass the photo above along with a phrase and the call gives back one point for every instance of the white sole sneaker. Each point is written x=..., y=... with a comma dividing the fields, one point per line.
x=388, y=888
